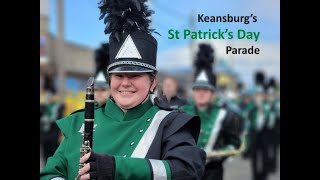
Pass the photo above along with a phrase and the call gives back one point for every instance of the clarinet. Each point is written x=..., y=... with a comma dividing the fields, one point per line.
x=87, y=134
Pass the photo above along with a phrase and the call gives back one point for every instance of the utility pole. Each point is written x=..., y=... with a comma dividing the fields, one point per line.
x=192, y=43
x=60, y=48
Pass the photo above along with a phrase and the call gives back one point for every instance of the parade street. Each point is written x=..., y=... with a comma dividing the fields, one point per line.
x=238, y=168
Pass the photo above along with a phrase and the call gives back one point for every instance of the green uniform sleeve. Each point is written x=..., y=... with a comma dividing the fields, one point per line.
x=56, y=165
x=139, y=168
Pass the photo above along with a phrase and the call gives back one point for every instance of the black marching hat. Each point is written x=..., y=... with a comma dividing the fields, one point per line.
x=204, y=76
x=271, y=85
x=101, y=57
x=132, y=47
x=259, y=81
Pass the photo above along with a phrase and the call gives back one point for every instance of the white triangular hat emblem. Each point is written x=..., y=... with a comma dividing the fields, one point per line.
x=128, y=49
x=100, y=77
x=202, y=77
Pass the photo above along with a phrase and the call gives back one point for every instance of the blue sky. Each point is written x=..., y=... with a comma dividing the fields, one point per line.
x=82, y=26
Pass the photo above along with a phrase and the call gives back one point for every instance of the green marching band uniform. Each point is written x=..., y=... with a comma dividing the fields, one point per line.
x=145, y=142
x=259, y=113
x=272, y=127
x=246, y=106
x=221, y=128
x=135, y=139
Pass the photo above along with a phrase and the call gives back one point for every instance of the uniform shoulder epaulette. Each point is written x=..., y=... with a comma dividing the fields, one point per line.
x=96, y=107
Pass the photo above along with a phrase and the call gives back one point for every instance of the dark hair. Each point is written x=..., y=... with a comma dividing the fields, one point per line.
x=153, y=76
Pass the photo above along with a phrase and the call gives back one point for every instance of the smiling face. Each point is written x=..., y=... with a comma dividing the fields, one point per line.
x=130, y=89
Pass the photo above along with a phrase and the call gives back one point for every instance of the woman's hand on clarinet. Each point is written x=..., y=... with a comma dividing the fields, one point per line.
x=98, y=166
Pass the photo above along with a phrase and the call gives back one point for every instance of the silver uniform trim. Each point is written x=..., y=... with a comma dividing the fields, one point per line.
x=57, y=178
x=159, y=170
x=135, y=63
x=215, y=130
x=148, y=137
x=89, y=120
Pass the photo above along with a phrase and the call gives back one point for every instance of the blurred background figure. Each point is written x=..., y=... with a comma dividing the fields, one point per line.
x=101, y=85
x=272, y=127
x=49, y=132
x=42, y=109
x=246, y=105
x=259, y=116
x=51, y=109
x=101, y=89
x=221, y=128
x=170, y=91
x=42, y=96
